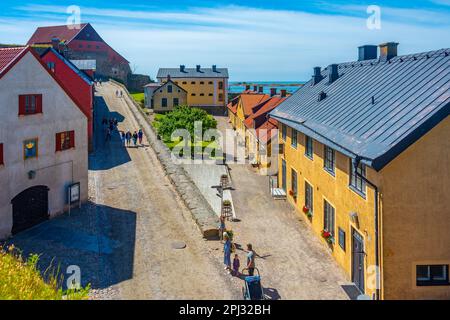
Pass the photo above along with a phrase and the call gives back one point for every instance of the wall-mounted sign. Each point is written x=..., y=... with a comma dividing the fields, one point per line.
x=74, y=193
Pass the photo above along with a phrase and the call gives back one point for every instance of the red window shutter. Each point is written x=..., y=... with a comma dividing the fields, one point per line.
x=72, y=139
x=1, y=154
x=58, y=142
x=39, y=103
x=21, y=105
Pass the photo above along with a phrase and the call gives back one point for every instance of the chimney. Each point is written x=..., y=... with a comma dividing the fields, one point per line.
x=368, y=52
x=317, y=77
x=284, y=93
x=198, y=68
x=261, y=89
x=255, y=88
x=182, y=68
x=168, y=77
x=214, y=67
x=273, y=92
x=388, y=51
x=247, y=87
x=333, y=73
x=55, y=43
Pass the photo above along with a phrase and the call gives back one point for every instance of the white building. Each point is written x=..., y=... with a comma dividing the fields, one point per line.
x=43, y=143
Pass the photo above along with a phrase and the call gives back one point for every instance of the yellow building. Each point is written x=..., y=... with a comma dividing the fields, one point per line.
x=206, y=88
x=167, y=96
x=386, y=222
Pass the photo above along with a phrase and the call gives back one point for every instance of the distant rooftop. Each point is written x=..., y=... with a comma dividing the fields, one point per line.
x=198, y=72
x=85, y=64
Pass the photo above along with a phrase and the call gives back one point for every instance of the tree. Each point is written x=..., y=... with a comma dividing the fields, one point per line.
x=184, y=117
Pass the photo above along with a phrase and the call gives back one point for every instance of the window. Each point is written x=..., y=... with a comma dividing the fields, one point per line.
x=294, y=183
x=356, y=181
x=193, y=82
x=202, y=94
x=176, y=102
x=309, y=197
x=80, y=46
x=210, y=82
x=432, y=275
x=98, y=47
x=201, y=82
x=283, y=132
x=169, y=89
x=328, y=214
x=342, y=239
x=65, y=140
x=1, y=154
x=164, y=102
x=220, y=97
x=329, y=158
x=30, y=149
x=30, y=104
x=184, y=82
x=309, y=151
x=51, y=66
x=193, y=94
x=210, y=94
x=294, y=139
x=220, y=85
x=89, y=46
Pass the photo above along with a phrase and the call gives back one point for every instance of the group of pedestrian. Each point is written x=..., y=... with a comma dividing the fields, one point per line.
x=229, y=248
x=129, y=138
x=119, y=93
x=109, y=126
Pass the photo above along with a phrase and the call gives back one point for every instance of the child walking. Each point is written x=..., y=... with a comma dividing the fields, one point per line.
x=236, y=265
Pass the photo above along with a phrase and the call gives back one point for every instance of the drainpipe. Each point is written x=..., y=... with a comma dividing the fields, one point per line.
x=356, y=163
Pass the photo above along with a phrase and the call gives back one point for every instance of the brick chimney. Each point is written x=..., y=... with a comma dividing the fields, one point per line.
x=273, y=92
x=368, y=52
x=317, y=77
x=284, y=93
x=255, y=88
x=388, y=51
x=333, y=73
x=199, y=67
x=55, y=43
x=182, y=68
x=214, y=68
x=261, y=89
x=247, y=87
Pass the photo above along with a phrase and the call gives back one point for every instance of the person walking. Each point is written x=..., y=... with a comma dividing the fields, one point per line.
x=135, y=139
x=123, y=138
x=250, y=260
x=128, y=138
x=236, y=265
x=222, y=227
x=227, y=252
x=140, y=136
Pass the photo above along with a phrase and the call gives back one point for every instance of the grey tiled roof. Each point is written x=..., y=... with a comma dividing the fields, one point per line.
x=411, y=95
x=192, y=73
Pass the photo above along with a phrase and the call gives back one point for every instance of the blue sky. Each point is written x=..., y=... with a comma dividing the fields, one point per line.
x=257, y=40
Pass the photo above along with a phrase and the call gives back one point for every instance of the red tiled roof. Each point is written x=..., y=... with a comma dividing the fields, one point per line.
x=250, y=101
x=262, y=110
x=44, y=35
x=8, y=55
x=267, y=130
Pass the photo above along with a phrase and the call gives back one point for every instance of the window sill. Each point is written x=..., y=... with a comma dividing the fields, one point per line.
x=309, y=157
x=430, y=284
x=330, y=172
x=359, y=193
x=30, y=114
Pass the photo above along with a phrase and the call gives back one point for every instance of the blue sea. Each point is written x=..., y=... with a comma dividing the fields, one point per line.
x=290, y=86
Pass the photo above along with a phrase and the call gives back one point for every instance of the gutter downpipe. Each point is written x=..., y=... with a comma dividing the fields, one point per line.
x=356, y=163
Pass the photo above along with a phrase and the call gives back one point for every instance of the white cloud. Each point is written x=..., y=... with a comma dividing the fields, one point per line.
x=256, y=44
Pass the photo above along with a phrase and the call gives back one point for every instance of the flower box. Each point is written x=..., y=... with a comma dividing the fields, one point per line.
x=328, y=236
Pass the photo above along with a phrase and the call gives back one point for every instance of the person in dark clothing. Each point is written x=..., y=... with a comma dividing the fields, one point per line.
x=140, y=136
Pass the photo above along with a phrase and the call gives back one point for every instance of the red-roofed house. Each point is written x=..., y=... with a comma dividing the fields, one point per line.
x=79, y=84
x=84, y=43
x=43, y=142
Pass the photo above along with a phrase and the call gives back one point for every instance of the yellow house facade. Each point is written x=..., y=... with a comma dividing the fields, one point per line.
x=206, y=88
x=373, y=184
x=168, y=96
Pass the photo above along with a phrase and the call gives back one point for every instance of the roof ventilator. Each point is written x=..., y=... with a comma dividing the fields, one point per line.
x=322, y=96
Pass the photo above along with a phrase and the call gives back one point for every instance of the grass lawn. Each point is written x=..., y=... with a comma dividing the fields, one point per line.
x=21, y=280
x=138, y=97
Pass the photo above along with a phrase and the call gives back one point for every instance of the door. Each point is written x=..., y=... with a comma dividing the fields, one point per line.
x=358, y=256
x=30, y=208
x=283, y=176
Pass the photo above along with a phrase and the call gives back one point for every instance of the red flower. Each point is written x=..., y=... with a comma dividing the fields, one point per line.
x=326, y=234
x=291, y=193
x=305, y=209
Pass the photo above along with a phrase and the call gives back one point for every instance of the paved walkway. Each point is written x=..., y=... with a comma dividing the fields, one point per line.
x=123, y=239
x=292, y=260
